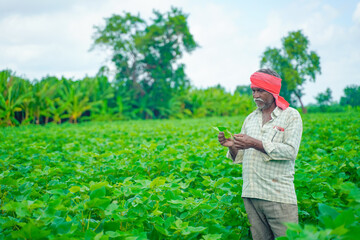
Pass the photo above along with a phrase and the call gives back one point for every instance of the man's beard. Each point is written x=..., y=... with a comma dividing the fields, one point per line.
x=260, y=100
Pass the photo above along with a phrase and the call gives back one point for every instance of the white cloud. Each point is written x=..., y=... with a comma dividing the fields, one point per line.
x=218, y=60
x=356, y=15
x=274, y=30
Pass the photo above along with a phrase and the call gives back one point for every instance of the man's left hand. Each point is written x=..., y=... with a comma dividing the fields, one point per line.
x=242, y=141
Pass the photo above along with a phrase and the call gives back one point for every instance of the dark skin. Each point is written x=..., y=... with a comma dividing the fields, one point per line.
x=266, y=103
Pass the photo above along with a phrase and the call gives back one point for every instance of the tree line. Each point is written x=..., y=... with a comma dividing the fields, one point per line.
x=57, y=100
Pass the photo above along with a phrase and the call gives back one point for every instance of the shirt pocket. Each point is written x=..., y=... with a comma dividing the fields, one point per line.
x=276, y=135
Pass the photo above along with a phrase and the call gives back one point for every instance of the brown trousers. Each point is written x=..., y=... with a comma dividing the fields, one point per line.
x=267, y=218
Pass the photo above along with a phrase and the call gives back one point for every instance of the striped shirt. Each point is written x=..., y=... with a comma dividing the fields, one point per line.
x=270, y=176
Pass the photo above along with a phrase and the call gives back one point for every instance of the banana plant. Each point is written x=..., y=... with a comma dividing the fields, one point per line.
x=100, y=93
x=57, y=109
x=143, y=109
x=12, y=97
x=41, y=92
x=9, y=104
x=78, y=100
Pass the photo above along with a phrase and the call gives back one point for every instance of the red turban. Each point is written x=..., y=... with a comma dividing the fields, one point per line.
x=270, y=84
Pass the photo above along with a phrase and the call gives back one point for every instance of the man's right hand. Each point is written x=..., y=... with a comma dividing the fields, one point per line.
x=226, y=142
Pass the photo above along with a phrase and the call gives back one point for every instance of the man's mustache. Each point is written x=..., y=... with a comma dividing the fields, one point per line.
x=258, y=99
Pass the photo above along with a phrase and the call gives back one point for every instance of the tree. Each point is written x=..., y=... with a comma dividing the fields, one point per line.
x=43, y=92
x=352, y=96
x=244, y=90
x=324, y=98
x=295, y=64
x=77, y=100
x=12, y=97
x=100, y=91
x=146, y=57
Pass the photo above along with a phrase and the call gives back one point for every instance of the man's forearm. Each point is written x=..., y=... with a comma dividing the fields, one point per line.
x=257, y=144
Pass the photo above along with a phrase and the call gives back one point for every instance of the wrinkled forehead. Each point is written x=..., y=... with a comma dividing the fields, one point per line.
x=258, y=89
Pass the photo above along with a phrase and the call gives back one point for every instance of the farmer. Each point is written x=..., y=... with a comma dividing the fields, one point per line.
x=267, y=147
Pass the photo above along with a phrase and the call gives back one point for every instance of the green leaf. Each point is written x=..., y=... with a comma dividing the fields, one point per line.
x=74, y=189
x=328, y=211
x=89, y=234
x=101, y=203
x=347, y=217
x=98, y=193
x=212, y=237
x=220, y=129
x=112, y=234
x=221, y=181
x=98, y=185
x=162, y=230
x=293, y=226
x=227, y=133
x=196, y=229
x=159, y=181
x=22, y=209
x=339, y=231
x=30, y=231
x=64, y=227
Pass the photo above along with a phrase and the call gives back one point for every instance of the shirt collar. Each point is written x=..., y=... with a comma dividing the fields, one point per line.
x=277, y=111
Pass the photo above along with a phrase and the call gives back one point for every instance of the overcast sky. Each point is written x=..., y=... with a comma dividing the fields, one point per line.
x=43, y=37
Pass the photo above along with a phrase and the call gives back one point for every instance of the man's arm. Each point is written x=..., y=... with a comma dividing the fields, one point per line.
x=235, y=153
x=286, y=150
x=289, y=147
x=244, y=141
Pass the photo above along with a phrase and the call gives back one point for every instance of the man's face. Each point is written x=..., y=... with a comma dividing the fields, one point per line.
x=262, y=98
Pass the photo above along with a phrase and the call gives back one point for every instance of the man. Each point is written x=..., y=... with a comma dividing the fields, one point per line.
x=267, y=147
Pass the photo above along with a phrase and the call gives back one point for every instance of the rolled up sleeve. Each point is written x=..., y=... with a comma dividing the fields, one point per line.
x=289, y=147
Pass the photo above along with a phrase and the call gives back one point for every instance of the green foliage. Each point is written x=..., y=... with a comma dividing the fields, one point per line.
x=244, y=90
x=352, y=96
x=334, y=223
x=77, y=97
x=96, y=98
x=325, y=98
x=42, y=96
x=13, y=97
x=146, y=57
x=165, y=179
x=215, y=101
x=331, y=108
x=295, y=64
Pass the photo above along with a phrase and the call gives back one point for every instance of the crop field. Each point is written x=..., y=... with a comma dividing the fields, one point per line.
x=166, y=179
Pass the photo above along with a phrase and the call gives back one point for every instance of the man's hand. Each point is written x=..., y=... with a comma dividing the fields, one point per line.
x=243, y=141
x=226, y=142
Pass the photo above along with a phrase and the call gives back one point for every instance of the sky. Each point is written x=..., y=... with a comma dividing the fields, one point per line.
x=42, y=37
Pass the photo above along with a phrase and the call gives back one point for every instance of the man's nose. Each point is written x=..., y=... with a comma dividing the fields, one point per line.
x=255, y=94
